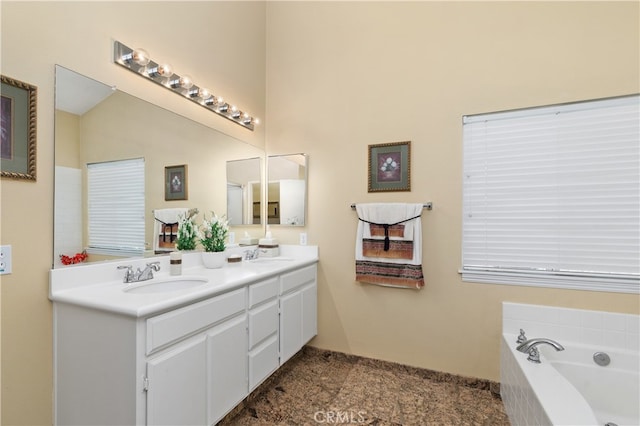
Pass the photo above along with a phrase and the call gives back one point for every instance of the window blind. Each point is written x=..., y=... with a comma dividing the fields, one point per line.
x=551, y=196
x=116, y=207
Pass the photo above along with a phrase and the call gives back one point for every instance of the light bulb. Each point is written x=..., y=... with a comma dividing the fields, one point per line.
x=140, y=57
x=203, y=93
x=235, y=113
x=256, y=121
x=163, y=70
x=224, y=107
x=185, y=82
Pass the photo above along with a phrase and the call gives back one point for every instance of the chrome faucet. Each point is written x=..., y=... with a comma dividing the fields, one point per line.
x=529, y=347
x=251, y=254
x=147, y=274
x=133, y=277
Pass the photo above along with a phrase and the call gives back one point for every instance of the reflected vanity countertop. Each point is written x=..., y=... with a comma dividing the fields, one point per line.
x=100, y=285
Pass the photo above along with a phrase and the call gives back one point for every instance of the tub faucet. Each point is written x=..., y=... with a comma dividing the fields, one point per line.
x=529, y=347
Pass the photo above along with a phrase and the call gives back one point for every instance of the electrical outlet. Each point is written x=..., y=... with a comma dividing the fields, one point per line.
x=5, y=260
x=303, y=238
x=232, y=237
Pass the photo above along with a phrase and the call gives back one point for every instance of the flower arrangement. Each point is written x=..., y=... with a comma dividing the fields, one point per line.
x=389, y=165
x=76, y=258
x=214, y=232
x=187, y=231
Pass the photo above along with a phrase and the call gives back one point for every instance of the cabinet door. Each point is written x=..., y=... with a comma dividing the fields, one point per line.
x=309, y=312
x=290, y=325
x=226, y=367
x=177, y=388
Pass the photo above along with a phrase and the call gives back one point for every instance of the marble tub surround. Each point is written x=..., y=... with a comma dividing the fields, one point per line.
x=100, y=285
x=324, y=387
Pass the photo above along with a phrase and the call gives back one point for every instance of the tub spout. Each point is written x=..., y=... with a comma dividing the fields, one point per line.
x=529, y=347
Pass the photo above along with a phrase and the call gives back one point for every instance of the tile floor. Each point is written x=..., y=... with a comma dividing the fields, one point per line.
x=322, y=387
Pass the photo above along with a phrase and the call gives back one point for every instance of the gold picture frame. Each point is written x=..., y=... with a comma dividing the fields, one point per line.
x=390, y=167
x=18, y=113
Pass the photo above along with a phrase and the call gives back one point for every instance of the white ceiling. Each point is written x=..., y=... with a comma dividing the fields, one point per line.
x=76, y=93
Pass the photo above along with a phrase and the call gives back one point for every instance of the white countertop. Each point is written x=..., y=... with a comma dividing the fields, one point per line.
x=100, y=285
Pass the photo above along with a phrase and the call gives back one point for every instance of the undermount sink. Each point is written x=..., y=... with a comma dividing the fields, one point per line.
x=166, y=284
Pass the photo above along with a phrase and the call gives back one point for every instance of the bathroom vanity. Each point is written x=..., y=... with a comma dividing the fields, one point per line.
x=159, y=353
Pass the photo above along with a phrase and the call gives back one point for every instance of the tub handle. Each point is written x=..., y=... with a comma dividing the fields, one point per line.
x=521, y=338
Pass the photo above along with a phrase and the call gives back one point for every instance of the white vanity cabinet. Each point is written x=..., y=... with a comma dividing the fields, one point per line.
x=186, y=365
x=298, y=310
x=200, y=380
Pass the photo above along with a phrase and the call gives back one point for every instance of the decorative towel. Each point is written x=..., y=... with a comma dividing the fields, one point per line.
x=165, y=228
x=389, y=244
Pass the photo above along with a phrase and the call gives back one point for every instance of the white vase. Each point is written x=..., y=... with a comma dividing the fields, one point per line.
x=213, y=259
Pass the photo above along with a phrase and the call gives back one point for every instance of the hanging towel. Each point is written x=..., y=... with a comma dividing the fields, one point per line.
x=389, y=244
x=165, y=223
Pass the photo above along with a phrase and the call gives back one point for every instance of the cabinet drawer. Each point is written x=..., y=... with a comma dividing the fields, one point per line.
x=297, y=278
x=171, y=326
x=262, y=291
x=263, y=321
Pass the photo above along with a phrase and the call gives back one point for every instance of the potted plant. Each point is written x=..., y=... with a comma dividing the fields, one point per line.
x=187, y=237
x=213, y=237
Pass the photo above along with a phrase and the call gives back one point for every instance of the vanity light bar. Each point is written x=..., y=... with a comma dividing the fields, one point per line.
x=139, y=62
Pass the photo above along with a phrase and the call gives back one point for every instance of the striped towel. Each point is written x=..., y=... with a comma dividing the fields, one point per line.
x=389, y=245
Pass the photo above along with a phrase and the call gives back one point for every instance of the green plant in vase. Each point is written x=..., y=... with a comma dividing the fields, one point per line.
x=214, y=233
x=187, y=231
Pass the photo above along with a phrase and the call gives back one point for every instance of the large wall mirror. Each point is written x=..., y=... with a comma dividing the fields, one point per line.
x=287, y=189
x=244, y=191
x=184, y=164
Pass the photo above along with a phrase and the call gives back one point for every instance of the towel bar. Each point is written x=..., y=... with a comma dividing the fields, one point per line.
x=427, y=206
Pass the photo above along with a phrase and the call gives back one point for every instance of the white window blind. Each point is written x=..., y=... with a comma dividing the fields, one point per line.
x=116, y=207
x=551, y=196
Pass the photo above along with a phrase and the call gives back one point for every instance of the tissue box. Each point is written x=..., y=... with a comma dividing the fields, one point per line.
x=248, y=241
x=268, y=251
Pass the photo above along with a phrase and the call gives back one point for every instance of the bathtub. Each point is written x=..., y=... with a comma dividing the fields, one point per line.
x=568, y=387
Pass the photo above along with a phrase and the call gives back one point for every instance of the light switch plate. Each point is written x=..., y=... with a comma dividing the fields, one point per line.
x=5, y=260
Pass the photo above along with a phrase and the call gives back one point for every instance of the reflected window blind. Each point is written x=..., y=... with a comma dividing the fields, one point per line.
x=551, y=196
x=116, y=207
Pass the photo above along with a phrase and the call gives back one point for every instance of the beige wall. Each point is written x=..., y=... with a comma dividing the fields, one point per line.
x=220, y=44
x=342, y=75
x=339, y=76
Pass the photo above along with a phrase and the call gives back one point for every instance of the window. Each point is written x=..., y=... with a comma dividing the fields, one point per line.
x=116, y=207
x=551, y=196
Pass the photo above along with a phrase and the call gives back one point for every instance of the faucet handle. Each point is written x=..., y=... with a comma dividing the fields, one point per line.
x=521, y=338
x=128, y=275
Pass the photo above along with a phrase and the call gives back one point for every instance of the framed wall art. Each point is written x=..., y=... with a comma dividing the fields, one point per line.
x=18, y=102
x=390, y=167
x=175, y=183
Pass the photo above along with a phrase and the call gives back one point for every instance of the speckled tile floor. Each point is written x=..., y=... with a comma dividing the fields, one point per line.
x=322, y=387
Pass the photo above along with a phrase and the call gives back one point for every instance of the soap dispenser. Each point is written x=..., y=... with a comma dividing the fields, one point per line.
x=268, y=246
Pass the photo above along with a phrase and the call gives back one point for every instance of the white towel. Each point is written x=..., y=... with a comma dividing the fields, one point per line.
x=169, y=215
x=393, y=272
x=391, y=213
